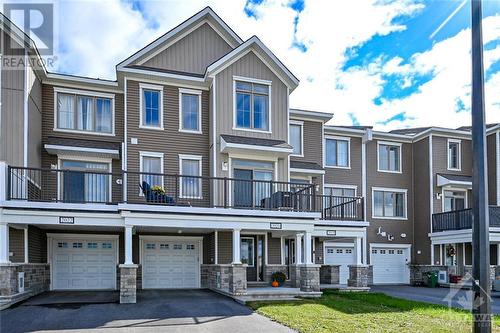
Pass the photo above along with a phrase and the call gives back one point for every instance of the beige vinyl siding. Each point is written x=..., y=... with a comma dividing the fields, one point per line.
x=352, y=176
x=422, y=225
x=12, y=110
x=440, y=164
x=16, y=245
x=274, y=250
x=225, y=247
x=168, y=141
x=492, y=168
x=250, y=66
x=193, y=53
x=402, y=180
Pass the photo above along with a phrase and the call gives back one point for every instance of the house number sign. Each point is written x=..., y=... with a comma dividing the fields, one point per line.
x=66, y=220
x=275, y=225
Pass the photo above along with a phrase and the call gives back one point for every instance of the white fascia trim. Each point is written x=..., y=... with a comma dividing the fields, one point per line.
x=214, y=126
x=190, y=92
x=390, y=143
x=391, y=246
x=391, y=136
x=333, y=130
x=84, y=92
x=301, y=124
x=311, y=171
x=443, y=181
x=311, y=115
x=459, y=157
x=58, y=205
x=158, y=88
x=161, y=74
x=229, y=145
x=82, y=236
x=79, y=79
x=340, y=223
x=338, y=138
x=252, y=80
x=83, y=149
x=177, y=30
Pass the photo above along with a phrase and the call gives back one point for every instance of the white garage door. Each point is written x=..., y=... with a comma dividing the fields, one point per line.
x=390, y=265
x=343, y=256
x=83, y=263
x=170, y=264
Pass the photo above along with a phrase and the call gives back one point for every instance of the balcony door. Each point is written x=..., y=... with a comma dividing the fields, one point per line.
x=85, y=181
x=252, y=182
x=454, y=200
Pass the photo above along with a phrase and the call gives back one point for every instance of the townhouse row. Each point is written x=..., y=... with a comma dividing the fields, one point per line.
x=191, y=170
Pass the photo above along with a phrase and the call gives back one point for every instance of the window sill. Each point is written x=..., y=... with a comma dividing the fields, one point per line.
x=190, y=131
x=455, y=170
x=152, y=127
x=337, y=167
x=390, y=218
x=389, y=171
x=83, y=132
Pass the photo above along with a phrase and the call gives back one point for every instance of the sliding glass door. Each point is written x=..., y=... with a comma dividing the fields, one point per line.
x=85, y=181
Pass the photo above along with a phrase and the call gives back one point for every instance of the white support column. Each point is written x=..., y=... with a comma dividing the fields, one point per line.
x=298, y=249
x=498, y=253
x=128, y=245
x=282, y=246
x=432, y=254
x=359, y=253
x=4, y=244
x=463, y=253
x=26, y=248
x=236, y=246
x=216, y=250
x=3, y=181
x=266, y=250
x=442, y=257
x=365, y=250
x=314, y=250
x=307, y=248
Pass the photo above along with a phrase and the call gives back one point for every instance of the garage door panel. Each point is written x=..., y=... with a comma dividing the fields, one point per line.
x=390, y=265
x=343, y=256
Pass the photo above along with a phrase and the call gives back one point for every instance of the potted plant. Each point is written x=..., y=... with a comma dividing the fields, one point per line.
x=278, y=279
x=158, y=190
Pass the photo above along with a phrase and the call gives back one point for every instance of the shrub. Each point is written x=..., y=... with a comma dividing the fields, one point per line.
x=279, y=277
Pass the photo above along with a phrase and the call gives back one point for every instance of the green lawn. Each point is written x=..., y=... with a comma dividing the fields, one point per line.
x=366, y=312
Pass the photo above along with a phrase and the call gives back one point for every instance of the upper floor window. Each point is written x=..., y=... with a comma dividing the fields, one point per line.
x=389, y=203
x=190, y=110
x=389, y=157
x=340, y=191
x=252, y=105
x=296, y=137
x=84, y=113
x=151, y=101
x=337, y=152
x=454, y=154
x=454, y=200
x=190, y=187
x=151, y=167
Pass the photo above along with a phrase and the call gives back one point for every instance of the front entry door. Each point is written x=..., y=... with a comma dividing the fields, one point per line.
x=289, y=255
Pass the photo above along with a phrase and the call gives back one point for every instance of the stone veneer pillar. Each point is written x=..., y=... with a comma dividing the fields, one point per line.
x=270, y=269
x=237, y=279
x=358, y=276
x=309, y=277
x=128, y=283
x=329, y=274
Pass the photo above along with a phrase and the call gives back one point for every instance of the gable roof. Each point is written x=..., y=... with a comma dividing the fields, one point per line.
x=256, y=45
x=205, y=15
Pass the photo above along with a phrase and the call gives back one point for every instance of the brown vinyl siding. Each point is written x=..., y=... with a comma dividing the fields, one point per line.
x=351, y=176
x=274, y=250
x=209, y=248
x=34, y=120
x=422, y=224
x=403, y=181
x=225, y=247
x=37, y=245
x=312, y=143
x=318, y=251
x=193, y=53
x=492, y=168
x=16, y=245
x=169, y=141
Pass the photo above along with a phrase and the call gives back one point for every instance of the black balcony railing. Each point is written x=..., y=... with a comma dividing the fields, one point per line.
x=84, y=186
x=461, y=219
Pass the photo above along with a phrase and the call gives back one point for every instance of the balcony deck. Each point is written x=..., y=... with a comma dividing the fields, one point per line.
x=461, y=219
x=160, y=191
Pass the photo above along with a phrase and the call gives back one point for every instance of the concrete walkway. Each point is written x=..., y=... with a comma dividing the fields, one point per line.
x=460, y=299
x=155, y=311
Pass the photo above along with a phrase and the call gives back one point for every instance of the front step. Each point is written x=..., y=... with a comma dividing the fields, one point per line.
x=251, y=284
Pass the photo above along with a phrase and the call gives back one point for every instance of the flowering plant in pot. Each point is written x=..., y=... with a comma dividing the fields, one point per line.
x=157, y=189
x=278, y=279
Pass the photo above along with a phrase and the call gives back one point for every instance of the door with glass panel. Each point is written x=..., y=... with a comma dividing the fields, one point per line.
x=252, y=183
x=85, y=182
x=334, y=199
x=453, y=200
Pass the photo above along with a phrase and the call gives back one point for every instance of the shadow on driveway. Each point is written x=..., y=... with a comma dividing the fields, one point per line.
x=171, y=310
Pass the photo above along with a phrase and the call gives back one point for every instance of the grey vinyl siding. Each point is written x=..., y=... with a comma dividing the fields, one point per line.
x=37, y=245
x=225, y=247
x=422, y=224
x=319, y=256
x=193, y=53
x=34, y=120
x=274, y=250
x=492, y=168
x=12, y=110
x=169, y=141
x=351, y=176
x=403, y=180
x=251, y=66
x=16, y=245
x=440, y=164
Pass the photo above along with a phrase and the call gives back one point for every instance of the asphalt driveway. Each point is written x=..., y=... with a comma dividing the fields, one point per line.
x=165, y=310
x=460, y=299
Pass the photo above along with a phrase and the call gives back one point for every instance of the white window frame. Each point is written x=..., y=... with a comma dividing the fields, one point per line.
x=459, y=154
x=338, y=138
x=159, y=88
x=86, y=93
x=454, y=189
x=151, y=154
x=258, y=81
x=181, y=125
x=301, y=124
x=342, y=186
x=390, y=143
x=395, y=190
x=253, y=250
x=61, y=158
x=192, y=158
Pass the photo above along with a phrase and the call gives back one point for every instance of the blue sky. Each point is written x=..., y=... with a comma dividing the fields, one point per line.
x=370, y=62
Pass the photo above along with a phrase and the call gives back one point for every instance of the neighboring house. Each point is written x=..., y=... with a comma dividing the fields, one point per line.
x=192, y=171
